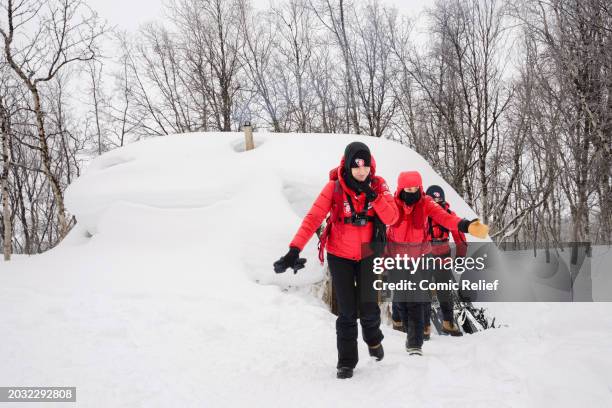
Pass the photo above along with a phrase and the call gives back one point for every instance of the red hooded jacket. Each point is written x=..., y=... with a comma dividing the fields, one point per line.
x=412, y=228
x=438, y=235
x=345, y=240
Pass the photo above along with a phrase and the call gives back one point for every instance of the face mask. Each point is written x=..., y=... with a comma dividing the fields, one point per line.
x=410, y=198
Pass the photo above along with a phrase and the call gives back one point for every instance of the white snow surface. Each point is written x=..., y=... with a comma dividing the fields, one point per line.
x=164, y=295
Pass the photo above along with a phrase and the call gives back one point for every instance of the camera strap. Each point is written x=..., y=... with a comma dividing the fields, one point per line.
x=349, y=220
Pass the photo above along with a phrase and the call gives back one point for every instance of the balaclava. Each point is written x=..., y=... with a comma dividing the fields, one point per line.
x=356, y=154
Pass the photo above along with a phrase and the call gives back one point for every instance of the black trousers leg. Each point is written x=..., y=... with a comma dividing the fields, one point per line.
x=412, y=316
x=444, y=296
x=427, y=314
x=447, y=311
x=395, y=312
x=343, y=273
x=412, y=308
x=369, y=312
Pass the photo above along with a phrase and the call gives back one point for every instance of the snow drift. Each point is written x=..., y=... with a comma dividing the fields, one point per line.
x=164, y=295
x=205, y=188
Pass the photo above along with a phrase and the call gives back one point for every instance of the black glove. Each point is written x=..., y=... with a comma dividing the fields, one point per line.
x=464, y=225
x=290, y=260
x=368, y=191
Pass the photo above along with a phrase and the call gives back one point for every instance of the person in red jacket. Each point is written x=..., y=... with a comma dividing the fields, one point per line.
x=409, y=235
x=439, y=238
x=359, y=205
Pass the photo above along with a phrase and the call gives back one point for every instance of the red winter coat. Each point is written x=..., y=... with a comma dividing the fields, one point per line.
x=411, y=227
x=345, y=240
x=438, y=235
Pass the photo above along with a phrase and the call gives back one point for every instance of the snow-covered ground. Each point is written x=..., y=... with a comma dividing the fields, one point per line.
x=164, y=295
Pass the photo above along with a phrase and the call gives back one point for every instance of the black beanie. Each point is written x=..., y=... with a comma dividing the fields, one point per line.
x=361, y=159
x=357, y=154
x=435, y=191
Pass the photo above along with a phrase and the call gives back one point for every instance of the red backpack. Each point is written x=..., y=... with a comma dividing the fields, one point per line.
x=334, y=216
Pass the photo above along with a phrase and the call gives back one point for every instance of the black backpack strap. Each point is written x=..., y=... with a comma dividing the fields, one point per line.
x=336, y=202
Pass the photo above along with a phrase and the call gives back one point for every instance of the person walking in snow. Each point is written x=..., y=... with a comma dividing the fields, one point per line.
x=409, y=236
x=439, y=237
x=359, y=205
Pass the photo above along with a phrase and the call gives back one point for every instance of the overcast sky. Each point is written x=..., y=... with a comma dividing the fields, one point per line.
x=129, y=14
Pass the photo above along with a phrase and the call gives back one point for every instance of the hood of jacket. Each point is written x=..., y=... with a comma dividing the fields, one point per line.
x=409, y=179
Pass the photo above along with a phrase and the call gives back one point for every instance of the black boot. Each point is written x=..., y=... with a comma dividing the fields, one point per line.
x=377, y=352
x=413, y=350
x=344, y=372
x=399, y=326
x=427, y=333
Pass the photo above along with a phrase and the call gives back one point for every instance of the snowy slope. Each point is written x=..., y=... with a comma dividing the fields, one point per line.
x=164, y=295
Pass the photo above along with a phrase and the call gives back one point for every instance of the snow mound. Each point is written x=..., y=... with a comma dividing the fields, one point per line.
x=164, y=295
x=202, y=188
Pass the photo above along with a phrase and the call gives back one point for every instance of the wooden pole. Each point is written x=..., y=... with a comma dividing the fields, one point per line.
x=248, y=136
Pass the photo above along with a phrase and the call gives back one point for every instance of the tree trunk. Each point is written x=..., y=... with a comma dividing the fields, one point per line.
x=46, y=164
x=6, y=212
x=347, y=67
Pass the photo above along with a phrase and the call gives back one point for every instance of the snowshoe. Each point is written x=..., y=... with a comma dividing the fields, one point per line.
x=436, y=315
x=471, y=319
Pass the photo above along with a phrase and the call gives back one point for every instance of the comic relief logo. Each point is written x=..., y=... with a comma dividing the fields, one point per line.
x=347, y=208
x=360, y=162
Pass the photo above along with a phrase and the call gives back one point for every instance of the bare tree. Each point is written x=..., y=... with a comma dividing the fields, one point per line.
x=212, y=34
x=120, y=114
x=372, y=60
x=293, y=42
x=573, y=66
x=5, y=134
x=40, y=40
x=258, y=59
x=94, y=71
x=335, y=18
x=327, y=82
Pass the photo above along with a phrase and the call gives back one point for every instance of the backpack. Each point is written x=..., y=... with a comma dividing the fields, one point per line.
x=334, y=216
x=444, y=231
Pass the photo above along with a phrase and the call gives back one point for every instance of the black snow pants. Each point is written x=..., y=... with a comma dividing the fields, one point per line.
x=444, y=296
x=411, y=307
x=356, y=298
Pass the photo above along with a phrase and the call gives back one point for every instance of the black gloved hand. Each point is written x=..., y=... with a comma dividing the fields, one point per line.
x=464, y=225
x=368, y=191
x=290, y=260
